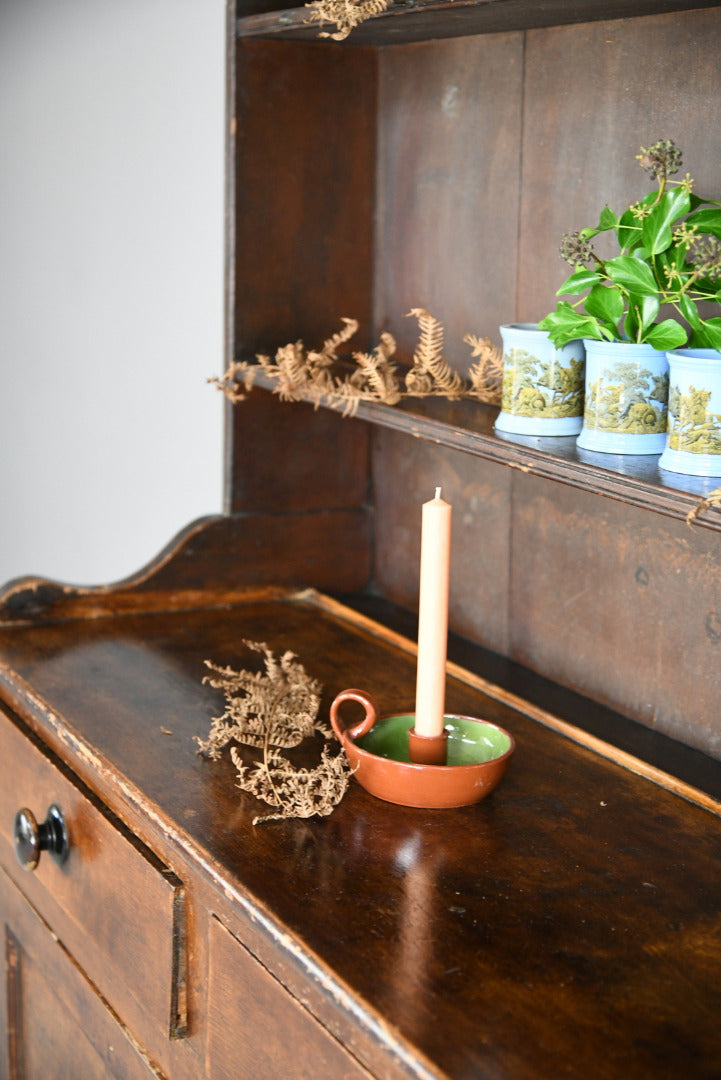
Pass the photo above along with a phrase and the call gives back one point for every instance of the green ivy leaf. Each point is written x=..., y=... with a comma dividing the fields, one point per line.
x=566, y=324
x=629, y=226
x=697, y=201
x=608, y=220
x=632, y=275
x=657, y=228
x=711, y=329
x=606, y=303
x=674, y=258
x=578, y=282
x=648, y=312
x=631, y=326
x=707, y=221
x=689, y=311
x=666, y=335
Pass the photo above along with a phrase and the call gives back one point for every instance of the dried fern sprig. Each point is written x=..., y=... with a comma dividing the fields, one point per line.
x=272, y=710
x=487, y=374
x=309, y=376
x=300, y=793
x=239, y=374
x=431, y=373
x=346, y=14
x=712, y=499
x=330, y=347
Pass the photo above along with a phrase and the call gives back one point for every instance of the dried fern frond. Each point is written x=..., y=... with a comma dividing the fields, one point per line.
x=300, y=793
x=376, y=377
x=346, y=14
x=310, y=376
x=430, y=345
x=375, y=374
x=431, y=373
x=239, y=373
x=330, y=347
x=712, y=499
x=290, y=370
x=487, y=375
x=273, y=710
x=276, y=707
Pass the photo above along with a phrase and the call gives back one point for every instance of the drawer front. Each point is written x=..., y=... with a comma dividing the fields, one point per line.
x=52, y=1022
x=257, y=1029
x=117, y=909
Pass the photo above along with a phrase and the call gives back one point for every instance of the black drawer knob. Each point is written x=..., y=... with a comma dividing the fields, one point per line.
x=31, y=839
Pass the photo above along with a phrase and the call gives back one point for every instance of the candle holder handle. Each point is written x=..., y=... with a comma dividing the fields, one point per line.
x=357, y=731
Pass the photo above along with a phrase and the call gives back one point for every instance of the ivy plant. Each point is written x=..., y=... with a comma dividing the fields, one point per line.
x=668, y=262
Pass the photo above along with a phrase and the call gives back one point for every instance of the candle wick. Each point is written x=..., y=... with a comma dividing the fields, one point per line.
x=438, y=493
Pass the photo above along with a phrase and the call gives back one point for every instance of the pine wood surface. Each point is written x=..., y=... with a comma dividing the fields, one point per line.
x=569, y=925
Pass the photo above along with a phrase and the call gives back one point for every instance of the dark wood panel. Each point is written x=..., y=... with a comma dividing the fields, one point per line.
x=305, y=166
x=246, y=998
x=594, y=94
x=315, y=461
x=608, y=600
x=578, y=900
x=406, y=472
x=60, y=1026
x=449, y=144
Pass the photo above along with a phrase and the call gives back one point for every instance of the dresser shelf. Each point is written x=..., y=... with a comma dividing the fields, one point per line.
x=468, y=426
x=422, y=20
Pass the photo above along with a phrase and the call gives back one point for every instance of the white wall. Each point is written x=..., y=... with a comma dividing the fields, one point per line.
x=111, y=280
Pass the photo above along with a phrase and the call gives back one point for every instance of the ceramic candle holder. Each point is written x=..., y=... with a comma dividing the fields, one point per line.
x=477, y=756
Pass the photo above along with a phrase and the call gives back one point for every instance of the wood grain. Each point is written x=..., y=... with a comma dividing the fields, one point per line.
x=60, y=1026
x=594, y=94
x=448, y=196
x=580, y=899
x=244, y=991
x=96, y=892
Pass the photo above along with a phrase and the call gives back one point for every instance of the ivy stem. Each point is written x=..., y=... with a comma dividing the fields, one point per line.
x=661, y=189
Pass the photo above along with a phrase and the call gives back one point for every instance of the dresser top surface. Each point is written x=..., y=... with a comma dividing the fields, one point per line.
x=570, y=923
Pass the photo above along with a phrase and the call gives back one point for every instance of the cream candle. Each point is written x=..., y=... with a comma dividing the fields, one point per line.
x=433, y=616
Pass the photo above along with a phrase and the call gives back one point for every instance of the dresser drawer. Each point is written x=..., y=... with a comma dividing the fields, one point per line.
x=59, y=1025
x=116, y=908
x=257, y=1029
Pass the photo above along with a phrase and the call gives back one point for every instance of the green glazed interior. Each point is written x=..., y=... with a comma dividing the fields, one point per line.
x=469, y=741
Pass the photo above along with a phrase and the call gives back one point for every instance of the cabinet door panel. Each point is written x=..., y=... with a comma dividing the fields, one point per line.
x=55, y=1024
x=257, y=1030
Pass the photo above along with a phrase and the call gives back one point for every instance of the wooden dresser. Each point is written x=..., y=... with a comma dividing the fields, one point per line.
x=570, y=924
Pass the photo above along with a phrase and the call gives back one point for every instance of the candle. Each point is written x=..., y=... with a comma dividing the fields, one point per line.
x=433, y=616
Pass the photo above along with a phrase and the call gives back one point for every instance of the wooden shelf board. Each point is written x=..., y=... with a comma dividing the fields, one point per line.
x=468, y=426
x=420, y=20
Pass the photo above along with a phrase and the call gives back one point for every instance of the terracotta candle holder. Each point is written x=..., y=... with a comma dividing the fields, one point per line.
x=477, y=754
